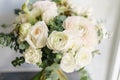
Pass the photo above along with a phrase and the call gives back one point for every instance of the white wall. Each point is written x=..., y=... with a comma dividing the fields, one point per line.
x=107, y=10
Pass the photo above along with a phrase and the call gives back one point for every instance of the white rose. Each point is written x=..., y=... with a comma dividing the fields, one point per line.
x=38, y=34
x=83, y=57
x=87, y=28
x=58, y=41
x=33, y=56
x=68, y=63
x=48, y=15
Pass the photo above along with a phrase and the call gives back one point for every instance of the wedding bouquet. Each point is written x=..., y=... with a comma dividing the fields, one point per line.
x=55, y=35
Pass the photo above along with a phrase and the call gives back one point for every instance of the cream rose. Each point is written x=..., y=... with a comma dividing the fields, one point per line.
x=38, y=34
x=58, y=41
x=33, y=56
x=87, y=28
x=68, y=63
x=83, y=57
x=48, y=10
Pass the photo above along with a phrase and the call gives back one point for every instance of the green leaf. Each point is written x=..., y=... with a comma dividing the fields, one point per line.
x=54, y=73
x=84, y=75
x=56, y=23
x=3, y=25
x=37, y=76
x=24, y=45
x=18, y=61
x=17, y=11
x=57, y=1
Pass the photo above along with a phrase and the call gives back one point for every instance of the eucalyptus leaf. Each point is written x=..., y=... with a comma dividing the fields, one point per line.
x=84, y=75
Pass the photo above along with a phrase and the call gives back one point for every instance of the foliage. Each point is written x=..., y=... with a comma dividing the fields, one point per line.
x=56, y=23
x=52, y=72
x=17, y=11
x=10, y=40
x=84, y=75
x=18, y=61
x=48, y=57
x=3, y=25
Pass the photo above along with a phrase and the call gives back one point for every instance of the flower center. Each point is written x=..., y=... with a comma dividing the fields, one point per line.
x=37, y=31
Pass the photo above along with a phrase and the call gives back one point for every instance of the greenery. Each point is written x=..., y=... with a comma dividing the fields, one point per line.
x=84, y=75
x=56, y=23
x=48, y=57
x=52, y=72
x=17, y=11
x=18, y=61
x=10, y=40
x=3, y=25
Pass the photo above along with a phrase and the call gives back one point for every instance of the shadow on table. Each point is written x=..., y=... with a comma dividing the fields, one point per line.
x=17, y=76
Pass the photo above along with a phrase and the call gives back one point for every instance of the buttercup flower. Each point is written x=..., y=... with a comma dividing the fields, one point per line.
x=82, y=11
x=33, y=56
x=38, y=34
x=48, y=10
x=48, y=15
x=75, y=42
x=72, y=22
x=68, y=63
x=83, y=57
x=58, y=41
x=45, y=5
x=87, y=28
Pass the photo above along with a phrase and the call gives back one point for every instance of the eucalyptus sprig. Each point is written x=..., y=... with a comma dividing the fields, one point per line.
x=18, y=61
x=84, y=75
x=56, y=23
x=11, y=41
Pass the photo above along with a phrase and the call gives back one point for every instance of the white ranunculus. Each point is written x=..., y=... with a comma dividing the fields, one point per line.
x=45, y=5
x=68, y=63
x=78, y=8
x=72, y=22
x=82, y=11
x=48, y=15
x=38, y=34
x=33, y=56
x=58, y=41
x=87, y=28
x=47, y=8
x=83, y=57
x=75, y=42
